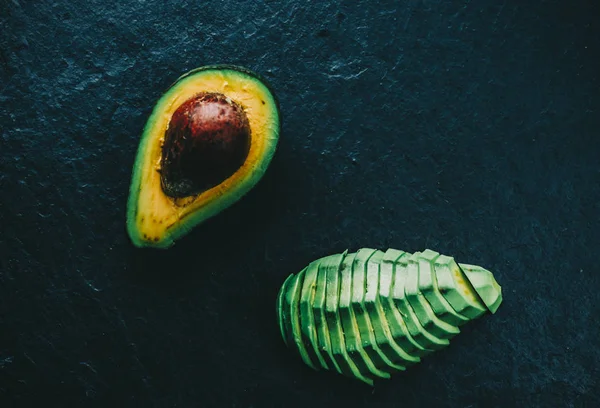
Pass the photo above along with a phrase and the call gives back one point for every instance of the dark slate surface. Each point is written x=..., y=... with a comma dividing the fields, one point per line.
x=471, y=128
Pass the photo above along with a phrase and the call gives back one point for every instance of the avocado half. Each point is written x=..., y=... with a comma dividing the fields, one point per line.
x=208, y=141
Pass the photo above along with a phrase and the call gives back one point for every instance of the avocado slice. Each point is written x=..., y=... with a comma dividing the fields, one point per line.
x=381, y=327
x=429, y=287
x=208, y=141
x=457, y=289
x=307, y=317
x=395, y=320
x=484, y=284
x=283, y=313
x=290, y=310
x=417, y=330
x=323, y=340
x=351, y=331
x=422, y=308
x=332, y=264
x=365, y=326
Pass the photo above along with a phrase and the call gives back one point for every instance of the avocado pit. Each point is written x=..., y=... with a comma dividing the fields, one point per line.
x=207, y=140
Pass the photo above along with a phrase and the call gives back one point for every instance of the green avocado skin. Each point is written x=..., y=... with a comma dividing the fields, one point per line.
x=370, y=314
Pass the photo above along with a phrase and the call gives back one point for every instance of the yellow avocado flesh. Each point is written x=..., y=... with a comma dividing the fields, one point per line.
x=157, y=220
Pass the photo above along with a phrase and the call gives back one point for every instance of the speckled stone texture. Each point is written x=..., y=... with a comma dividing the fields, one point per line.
x=472, y=128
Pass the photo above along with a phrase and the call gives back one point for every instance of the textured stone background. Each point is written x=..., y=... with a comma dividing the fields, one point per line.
x=471, y=128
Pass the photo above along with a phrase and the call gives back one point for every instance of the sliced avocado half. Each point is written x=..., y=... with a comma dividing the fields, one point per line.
x=208, y=141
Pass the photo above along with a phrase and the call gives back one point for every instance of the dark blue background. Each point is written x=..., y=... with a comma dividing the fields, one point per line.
x=471, y=128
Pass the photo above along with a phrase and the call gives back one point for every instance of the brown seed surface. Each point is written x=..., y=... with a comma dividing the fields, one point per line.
x=207, y=140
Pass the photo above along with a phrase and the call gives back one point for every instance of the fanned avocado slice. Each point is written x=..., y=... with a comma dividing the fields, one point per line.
x=346, y=365
x=365, y=326
x=395, y=320
x=457, y=289
x=418, y=332
x=307, y=318
x=283, y=312
x=484, y=284
x=323, y=339
x=422, y=308
x=381, y=327
x=429, y=287
x=208, y=141
x=291, y=311
x=354, y=342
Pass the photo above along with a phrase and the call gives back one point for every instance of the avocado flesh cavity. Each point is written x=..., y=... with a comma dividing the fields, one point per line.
x=208, y=141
